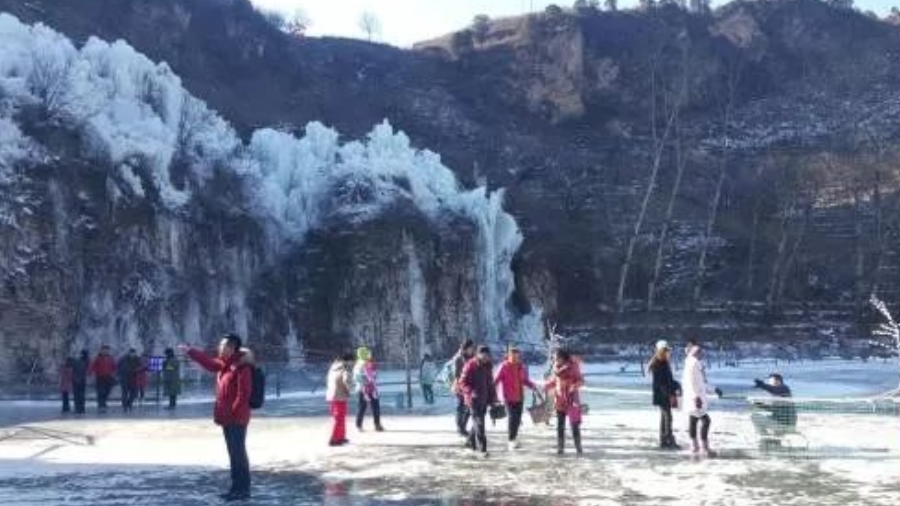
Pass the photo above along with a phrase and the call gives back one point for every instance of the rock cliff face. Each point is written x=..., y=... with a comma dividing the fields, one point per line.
x=746, y=159
x=133, y=215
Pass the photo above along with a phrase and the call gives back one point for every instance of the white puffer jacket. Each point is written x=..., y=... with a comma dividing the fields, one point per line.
x=694, y=385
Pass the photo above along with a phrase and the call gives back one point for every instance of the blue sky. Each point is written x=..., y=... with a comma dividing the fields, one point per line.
x=407, y=21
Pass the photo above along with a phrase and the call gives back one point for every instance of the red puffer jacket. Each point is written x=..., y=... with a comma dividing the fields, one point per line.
x=233, y=385
x=513, y=378
x=565, y=383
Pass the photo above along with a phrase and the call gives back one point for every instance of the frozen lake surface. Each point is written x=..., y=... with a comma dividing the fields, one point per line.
x=152, y=458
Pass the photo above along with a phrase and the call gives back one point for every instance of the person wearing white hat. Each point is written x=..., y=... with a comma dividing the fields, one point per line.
x=696, y=389
x=665, y=392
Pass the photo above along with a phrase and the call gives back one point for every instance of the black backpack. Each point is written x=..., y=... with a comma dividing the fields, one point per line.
x=258, y=388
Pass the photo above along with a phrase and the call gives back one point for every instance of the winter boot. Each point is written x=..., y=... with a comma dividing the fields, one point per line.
x=706, y=450
x=695, y=446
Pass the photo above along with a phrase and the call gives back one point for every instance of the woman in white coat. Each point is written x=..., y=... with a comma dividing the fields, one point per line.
x=696, y=389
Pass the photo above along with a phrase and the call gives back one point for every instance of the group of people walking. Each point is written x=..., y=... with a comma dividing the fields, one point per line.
x=130, y=372
x=480, y=393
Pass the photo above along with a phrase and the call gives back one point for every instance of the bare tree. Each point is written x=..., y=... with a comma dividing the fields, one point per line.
x=611, y=5
x=370, y=25
x=658, y=146
x=727, y=105
x=481, y=26
x=680, y=163
x=298, y=24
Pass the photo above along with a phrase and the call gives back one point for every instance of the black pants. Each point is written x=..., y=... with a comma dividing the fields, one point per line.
x=104, y=387
x=79, y=391
x=428, y=393
x=173, y=401
x=462, y=416
x=704, y=428
x=666, y=435
x=361, y=411
x=65, y=402
x=478, y=434
x=236, y=442
x=129, y=393
x=561, y=432
x=515, y=418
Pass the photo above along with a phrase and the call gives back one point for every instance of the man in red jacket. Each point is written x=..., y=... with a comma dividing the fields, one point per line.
x=234, y=376
x=103, y=368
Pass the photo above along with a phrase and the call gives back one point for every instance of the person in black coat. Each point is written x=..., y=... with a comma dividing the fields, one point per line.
x=665, y=392
x=79, y=380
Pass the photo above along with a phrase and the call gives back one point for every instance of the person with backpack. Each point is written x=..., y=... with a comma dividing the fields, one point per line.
x=477, y=386
x=79, y=381
x=427, y=374
x=565, y=382
x=696, y=389
x=665, y=392
x=512, y=377
x=171, y=378
x=365, y=376
x=234, y=368
x=103, y=368
x=466, y=352
x=340, y=375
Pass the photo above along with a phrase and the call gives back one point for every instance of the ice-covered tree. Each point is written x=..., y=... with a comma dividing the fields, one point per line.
x=370, y=25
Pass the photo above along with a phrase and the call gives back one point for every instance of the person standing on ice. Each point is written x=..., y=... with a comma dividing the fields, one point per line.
x=665, y=392
x=427, y=374
x=565, y=382
x=696, y=391
x=79, y=381
x=465, y=353
x=128, y=368
x=512, y=377
x=234, y=382
x=365, y=376
x=103, y=368
x=141, y=378
x=66, y=380
x=338, y=395
x=477, y=386
x=171, y=378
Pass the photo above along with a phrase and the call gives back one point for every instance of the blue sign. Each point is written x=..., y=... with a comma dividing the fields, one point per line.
x=155, y=364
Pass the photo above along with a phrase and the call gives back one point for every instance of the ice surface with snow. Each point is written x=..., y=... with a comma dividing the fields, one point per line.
x=846, y=460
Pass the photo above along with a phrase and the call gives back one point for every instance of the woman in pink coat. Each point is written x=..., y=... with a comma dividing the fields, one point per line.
x=512, y=379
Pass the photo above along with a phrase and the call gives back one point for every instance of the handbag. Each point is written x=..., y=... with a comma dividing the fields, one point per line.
x=573, y=410
x=538, y=410
x=497, y=412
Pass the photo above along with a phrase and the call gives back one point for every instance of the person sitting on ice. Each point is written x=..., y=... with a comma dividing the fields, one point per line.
x=779, y=414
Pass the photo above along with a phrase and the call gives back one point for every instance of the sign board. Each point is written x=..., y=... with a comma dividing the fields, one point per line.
x=155, y=364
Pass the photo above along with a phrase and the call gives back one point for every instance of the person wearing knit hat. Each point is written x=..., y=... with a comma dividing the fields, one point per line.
x=665, y=392
x=365, y=377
